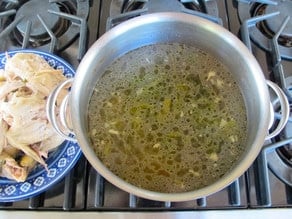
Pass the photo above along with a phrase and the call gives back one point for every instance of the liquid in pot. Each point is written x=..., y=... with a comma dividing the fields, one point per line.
x=167, y=118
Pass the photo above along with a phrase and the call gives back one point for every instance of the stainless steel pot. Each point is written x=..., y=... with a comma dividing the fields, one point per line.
x=162, y=28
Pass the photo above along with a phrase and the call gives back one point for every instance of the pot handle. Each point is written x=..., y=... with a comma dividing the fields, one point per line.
x=285, y=110
x=61, y=121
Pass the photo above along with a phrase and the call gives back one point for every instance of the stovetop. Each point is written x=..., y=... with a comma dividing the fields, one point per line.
x=267, y=184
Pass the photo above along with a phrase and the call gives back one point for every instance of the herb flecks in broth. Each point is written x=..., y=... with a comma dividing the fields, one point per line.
x=167, y=118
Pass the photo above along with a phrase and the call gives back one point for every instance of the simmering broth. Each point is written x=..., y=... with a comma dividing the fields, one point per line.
x=167, y=118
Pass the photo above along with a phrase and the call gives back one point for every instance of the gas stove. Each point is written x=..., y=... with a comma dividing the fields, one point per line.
x=69, y=28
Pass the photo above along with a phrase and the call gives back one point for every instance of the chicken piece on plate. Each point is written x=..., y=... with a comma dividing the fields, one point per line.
x=49, y=144
x=11, y=169
x=27, y=150
x=35, y=71
x=26, y=135
x=45, y=81
x=24, y=65
x=30, y=133
x=3, y=130
x=7, y=87
x=23, y=109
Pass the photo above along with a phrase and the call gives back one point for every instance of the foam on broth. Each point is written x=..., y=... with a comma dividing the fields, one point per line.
x=167, y=118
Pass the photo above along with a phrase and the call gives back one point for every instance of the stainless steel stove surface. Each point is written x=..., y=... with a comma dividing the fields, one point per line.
x=68, y=28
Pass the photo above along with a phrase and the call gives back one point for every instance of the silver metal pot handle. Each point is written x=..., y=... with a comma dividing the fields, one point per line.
x=285, y=110
x=61, y=121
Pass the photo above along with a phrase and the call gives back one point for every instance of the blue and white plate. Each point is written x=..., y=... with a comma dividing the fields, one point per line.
x=59, y=161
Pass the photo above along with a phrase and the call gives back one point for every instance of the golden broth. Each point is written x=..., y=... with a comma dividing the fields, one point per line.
x=167, y=118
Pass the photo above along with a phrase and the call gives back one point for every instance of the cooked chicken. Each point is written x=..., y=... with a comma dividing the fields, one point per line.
x=27, y=108
x=3, y=130
x=6, y=88
x=25, y=65
x=45, y=81
x=11, y=169
x=25, y=84
x=48, y=144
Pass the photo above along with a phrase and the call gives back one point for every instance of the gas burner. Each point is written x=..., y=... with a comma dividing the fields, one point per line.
x=270, y=26
x=131, y=5
x=122, y=10
x=285, y=9
x=38, y=24
x=263, y=32
x=193, y=5
x=285, y=153
x=7, y=4
x=51, y=25
x=280, y=158
x=280, y=165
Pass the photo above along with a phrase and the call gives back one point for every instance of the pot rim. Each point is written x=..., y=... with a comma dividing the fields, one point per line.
x=246, y=159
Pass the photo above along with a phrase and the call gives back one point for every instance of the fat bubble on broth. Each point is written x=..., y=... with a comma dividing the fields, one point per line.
x=167, y=118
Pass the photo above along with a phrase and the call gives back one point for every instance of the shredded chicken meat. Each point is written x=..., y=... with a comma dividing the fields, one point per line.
x=26, y=136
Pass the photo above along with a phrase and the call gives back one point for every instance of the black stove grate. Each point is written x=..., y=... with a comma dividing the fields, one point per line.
x=51, y=26
x=87, y=190
x=131, y=9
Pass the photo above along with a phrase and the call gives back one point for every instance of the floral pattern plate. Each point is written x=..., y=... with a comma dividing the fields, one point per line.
x=59, y=161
